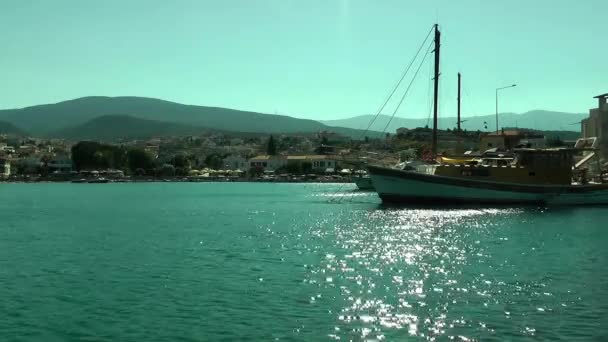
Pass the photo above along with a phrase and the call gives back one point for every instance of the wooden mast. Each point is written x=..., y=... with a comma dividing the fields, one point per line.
x=436, y=94
x=459, y=103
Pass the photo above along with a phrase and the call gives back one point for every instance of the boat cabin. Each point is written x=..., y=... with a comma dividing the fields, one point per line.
x=527, y=166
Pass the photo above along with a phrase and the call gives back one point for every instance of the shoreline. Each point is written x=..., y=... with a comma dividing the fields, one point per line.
x=173, y=180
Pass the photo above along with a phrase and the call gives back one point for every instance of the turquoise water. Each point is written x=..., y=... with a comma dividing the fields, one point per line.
x=238, y=261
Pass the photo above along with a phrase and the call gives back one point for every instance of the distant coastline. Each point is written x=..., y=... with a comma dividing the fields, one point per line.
x=321, y=179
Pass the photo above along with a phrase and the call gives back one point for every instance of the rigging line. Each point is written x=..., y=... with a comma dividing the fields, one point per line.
x=429, y=97
x=395, y=89
x=400, y=80
x=408, y=87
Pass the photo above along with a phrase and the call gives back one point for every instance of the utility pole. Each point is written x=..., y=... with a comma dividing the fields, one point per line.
x=436, y=87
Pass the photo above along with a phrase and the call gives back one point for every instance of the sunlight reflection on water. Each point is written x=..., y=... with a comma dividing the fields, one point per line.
x=398, y=271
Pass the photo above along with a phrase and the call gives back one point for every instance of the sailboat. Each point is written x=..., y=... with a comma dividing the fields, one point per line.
x=533, y=176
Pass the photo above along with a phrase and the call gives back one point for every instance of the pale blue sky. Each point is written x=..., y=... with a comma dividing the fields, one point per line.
x=318, y=59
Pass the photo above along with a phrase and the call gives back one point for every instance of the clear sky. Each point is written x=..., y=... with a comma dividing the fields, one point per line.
x=319, y=59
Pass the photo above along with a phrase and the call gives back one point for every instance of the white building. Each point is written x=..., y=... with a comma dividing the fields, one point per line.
x=322, y=163
x=5, y=148
x=235, y=162
x=5, y=168
x=318, y=163
x=267, y=163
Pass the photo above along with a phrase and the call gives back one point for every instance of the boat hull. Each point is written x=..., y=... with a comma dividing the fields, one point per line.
x=364, y=183
x=397, y=186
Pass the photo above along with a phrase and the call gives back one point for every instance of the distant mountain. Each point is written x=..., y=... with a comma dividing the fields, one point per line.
x=9, y=128
x=113, y=127
x=536, y=119
x=52, y=118
x=63, y=117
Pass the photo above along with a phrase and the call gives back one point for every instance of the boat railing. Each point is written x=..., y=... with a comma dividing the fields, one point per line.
x=426, y=169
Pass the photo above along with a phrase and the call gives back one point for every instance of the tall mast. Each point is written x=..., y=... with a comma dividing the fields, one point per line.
x=436, y=94
x=459, y=103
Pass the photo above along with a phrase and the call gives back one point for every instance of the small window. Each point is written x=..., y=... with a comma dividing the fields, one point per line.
x=532, y=173
x=489, y=144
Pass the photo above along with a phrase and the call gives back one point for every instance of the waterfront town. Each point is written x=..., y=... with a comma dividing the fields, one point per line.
x=206, y=157
x=325, y=156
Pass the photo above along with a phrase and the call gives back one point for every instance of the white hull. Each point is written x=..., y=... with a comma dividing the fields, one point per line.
x=408, y=187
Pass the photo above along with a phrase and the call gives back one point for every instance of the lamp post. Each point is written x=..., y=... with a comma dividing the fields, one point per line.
x=497, y=89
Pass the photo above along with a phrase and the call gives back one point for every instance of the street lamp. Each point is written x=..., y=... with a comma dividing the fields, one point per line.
x=497, y=89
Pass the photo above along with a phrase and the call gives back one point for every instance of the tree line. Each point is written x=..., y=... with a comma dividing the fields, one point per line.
x=89, y=155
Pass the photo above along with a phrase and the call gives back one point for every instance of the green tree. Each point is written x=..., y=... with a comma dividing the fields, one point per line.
x=271, y=148
x=140, y=159
x=181, y=161
x=88, y=155
x=167, y=170
x=214, y=161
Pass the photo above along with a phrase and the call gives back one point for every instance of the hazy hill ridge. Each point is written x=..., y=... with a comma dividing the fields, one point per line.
x=114, y=127
x=129, y=116
x=44, y=119
x=536, y=119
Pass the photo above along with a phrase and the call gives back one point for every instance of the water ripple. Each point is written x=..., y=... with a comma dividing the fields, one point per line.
x=303, y=262
x=431, y=273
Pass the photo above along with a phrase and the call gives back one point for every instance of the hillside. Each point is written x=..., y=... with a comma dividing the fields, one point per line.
x=113, y=127
x=52, y=118
x=9, y=128
x=536, y=119
x=62, y=118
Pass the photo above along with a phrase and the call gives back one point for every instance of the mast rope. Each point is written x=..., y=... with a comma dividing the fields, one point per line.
x=408, y=87
x=400, y=80
x=429, y=97
x=390, y=96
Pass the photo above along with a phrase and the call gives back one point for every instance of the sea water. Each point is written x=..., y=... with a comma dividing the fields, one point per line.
x=253, y=261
